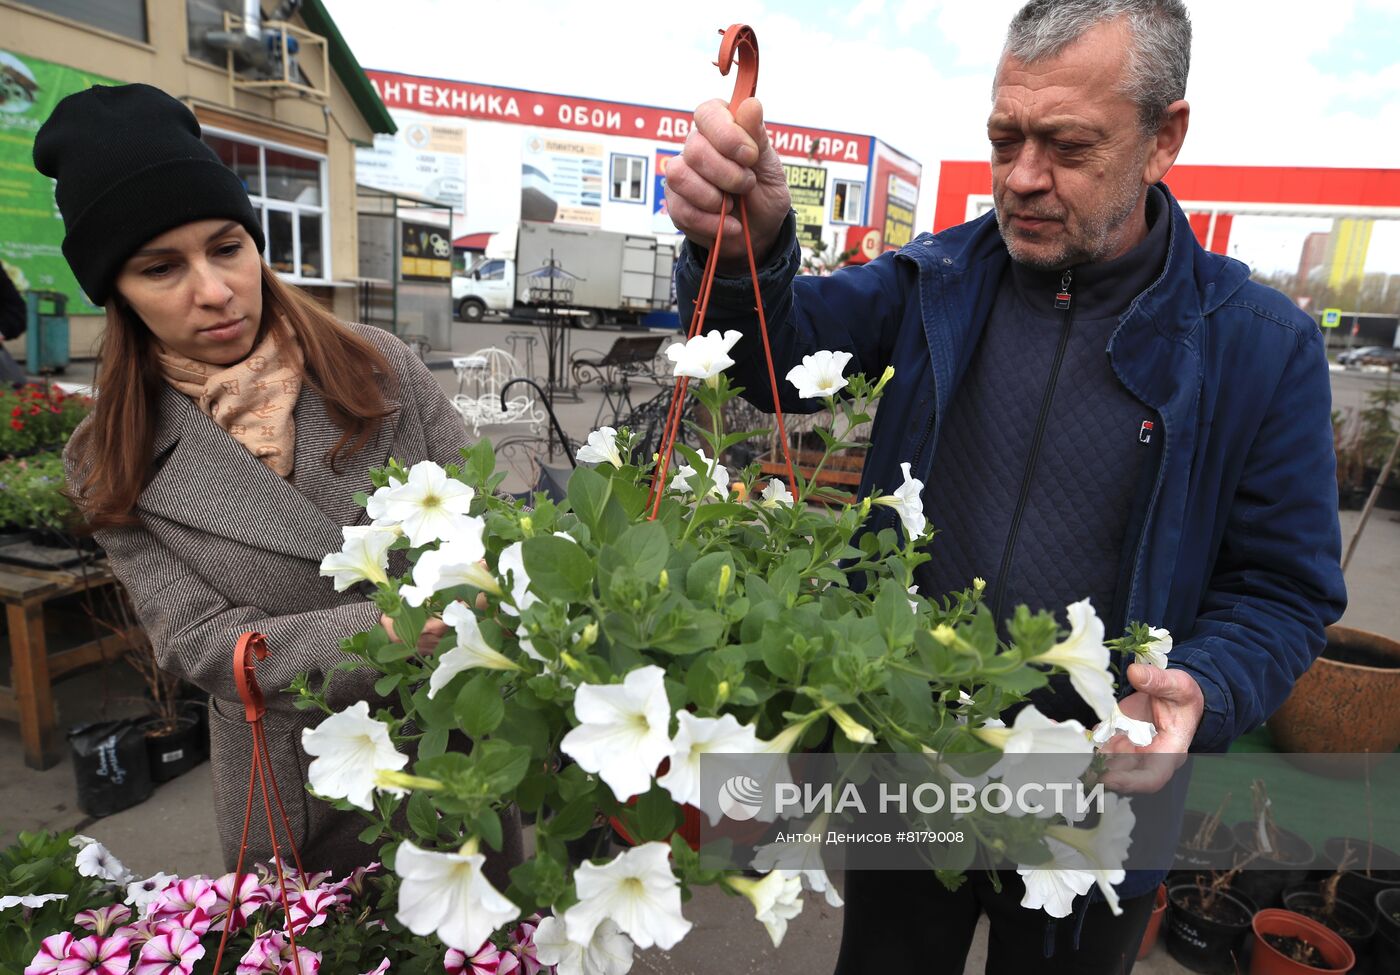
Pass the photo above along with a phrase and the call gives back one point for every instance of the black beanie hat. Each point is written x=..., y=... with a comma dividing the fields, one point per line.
x=129, y=165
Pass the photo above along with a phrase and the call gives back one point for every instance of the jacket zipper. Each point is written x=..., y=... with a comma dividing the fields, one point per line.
x=1063, y=300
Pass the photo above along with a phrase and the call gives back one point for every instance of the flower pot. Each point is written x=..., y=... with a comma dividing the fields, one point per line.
x=1374, y=868
x=1219, y=855
x=110, y=766
x=1154, y=923
x=1350, y=920
x=1202, y=943
x=1335, y=956
x=1346, y=700
x=1264, y=880
x=1386, y=948
x=171, y=753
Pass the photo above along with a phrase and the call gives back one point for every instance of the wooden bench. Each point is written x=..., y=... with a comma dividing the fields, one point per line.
x=837, y=482
x=29, y=699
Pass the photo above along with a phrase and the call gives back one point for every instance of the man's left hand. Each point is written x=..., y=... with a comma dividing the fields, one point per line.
x=1172, y=700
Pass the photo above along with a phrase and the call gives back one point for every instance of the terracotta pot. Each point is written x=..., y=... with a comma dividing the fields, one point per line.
x=1336, y=954
x=1346, y=700
x=1154, y=923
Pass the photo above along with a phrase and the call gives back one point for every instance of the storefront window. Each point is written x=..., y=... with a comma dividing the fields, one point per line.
x=288, y=189
x=847, y=201
x=124, y=17
x=629, y=176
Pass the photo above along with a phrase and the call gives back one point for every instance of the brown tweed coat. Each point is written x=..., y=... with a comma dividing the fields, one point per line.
x=226, y=546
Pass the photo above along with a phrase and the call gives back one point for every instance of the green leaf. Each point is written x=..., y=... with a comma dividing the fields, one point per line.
x=479, y=708
x=702, y=578
x=589, y=492
x=433, y=743
x=894, y=616
x=558, y=567
x=371, y=832
x=657, y=814
x=487, y=825
x=575, y=819
x=480, y=463
x=422, y=816
x=644, y=548
x=525, y=725
x=386, y=684
x=501, y=765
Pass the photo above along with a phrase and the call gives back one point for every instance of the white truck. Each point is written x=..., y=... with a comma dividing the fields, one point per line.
x=591, y=276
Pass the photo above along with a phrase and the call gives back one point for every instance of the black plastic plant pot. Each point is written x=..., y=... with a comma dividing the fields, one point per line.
x=1386, y=947
x=1266, y=877
x=173, y=753
x=1348, y=919
x=1210, y=944
x=1218, y=855
x=1373, y=868
x=110, y=766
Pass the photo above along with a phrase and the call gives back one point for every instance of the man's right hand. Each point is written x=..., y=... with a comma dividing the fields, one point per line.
x=727, y=156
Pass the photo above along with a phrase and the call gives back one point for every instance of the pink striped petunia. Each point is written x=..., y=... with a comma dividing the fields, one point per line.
x=251, y=896
x=103, y=920
x=309, y=910
x=97, y=956
x=173, y=953
x=264, y=955
x=52, y=952
x=310, y=963
x=488, y=960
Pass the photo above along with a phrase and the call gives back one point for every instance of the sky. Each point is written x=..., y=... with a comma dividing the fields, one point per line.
x=1273, y=82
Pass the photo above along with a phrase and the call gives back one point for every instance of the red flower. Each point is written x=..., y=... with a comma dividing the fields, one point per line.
x=55, y=409
x=34, y=410
x=17, y=411
x=17, y=424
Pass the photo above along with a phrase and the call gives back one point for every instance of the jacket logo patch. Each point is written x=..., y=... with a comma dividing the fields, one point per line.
x=1145, y=432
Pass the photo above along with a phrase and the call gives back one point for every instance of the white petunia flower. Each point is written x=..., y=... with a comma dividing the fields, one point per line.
x=429, y=506
x=714, y=480
x=1102, y=850
x=637, y=890
x=349, y=749
x=623, y=731
x=608, y=953
x=511, y=568
x=363, y=558
x=447, y=894
x=454, y=563
x=776, y=900
x=705, y=356
x=908, y=502
x=471, y=650
x=1085, y=658
x=819, y=376
x=696, y=737
x=31, y=901
x=775, y=493
x=601, y=448
x=800, y=857
x=95, y=860
x=1155, y=653
x=140, y=893
x=1052, y=887
x=851, y=728
x=1140, y=733
x=1036, y=751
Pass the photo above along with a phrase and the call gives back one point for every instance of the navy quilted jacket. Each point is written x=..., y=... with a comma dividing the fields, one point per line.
x=1236, y=539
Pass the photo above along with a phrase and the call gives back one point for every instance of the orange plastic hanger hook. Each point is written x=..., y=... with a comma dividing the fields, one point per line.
x=741, y=43
x=250, y=646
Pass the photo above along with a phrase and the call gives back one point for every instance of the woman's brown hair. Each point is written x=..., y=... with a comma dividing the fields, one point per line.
x=114, y=447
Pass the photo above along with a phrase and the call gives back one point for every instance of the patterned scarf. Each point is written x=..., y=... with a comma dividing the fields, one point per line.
x=253, y=400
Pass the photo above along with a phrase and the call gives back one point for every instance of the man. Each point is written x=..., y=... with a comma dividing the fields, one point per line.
x=1097, y=407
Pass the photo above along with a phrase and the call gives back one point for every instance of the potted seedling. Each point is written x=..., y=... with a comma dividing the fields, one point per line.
x=1208, y=920
x=1324, y=904
x=1387, y=944
x=1204, y=846
x=1284, y=857
x=1286, y=943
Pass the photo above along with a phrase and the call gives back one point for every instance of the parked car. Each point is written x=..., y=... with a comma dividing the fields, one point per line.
x=1352, y=357
x=1381, y=357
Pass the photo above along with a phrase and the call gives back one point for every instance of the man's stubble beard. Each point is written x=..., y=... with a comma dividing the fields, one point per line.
x=1099, y=231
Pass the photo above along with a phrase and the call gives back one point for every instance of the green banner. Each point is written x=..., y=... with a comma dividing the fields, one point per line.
x=31, y=231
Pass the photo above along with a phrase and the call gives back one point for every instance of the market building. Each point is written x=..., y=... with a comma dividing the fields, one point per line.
x=502, y=155
x=281, y=98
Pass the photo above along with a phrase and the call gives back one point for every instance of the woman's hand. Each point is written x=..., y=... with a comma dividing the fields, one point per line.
x=433, y=631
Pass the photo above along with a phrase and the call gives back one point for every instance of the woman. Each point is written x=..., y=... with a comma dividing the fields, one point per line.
x=235, y=420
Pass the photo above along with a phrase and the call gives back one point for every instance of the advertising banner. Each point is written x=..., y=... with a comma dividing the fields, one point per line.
x=807, y=184
x=561, y=181
x=660, y=219
x=425, y=158
x=894, y=195
x=31, y=230
x=864, y=244
x=425, y=252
